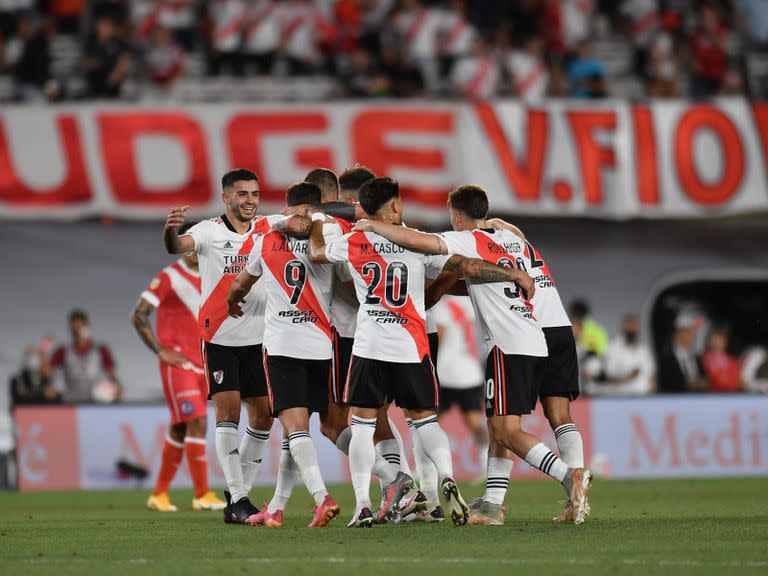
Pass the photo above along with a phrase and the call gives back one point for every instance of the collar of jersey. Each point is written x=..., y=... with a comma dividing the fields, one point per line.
x=231, y=228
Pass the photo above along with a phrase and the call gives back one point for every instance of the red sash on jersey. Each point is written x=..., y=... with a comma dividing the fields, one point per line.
x=214, y=309
x=644, y=23
x=454, y=34
x=259, y=18
x=231, y=28
x=416, y=26
x=483, y=244
x=150, y=22
x=415, y=326
x=476, y=84
x=346, y=225
x=292, y=27
x=468, y=327
x=530, y=79
x=276, y=260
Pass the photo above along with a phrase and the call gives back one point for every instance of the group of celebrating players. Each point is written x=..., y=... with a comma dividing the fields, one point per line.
x=326, y=308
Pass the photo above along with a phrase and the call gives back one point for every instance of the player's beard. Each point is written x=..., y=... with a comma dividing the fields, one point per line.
x=242, y=216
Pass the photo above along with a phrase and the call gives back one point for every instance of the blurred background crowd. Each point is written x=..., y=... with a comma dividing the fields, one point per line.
x=316, y=49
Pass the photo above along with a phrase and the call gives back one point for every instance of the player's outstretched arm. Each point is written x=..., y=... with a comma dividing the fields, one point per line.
x=143, y=325
x=295, y=225
x=405, y=237
x=486, y=272
x=242, y=285
x=317, y=240
x=174, y=243
x=349, y=212
x=442, y=285
x=500, y=224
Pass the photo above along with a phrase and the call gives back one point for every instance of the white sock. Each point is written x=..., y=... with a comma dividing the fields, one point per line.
x=227, y=441
x=482, y=458
x=570, y=445
x=251, y=452
x=499, y=470
x=342, y=442
x=387, y=463
x=361, y=459
x=287, y=474
x=545, y=460
x=405, y=467
x=425, y=470
x=435, y=444
x=305, y=456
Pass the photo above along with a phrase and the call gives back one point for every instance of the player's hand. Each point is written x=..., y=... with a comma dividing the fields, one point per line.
x=235, y=309
x=526, y=284
x=172, y=357
x=176, y=218
x=364, y=225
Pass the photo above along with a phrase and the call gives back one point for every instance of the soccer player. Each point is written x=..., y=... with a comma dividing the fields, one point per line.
x=175, y=294
x=559, y=382
x=297, y=342
x=390, y=357
x=231, y=347
x=516, y=342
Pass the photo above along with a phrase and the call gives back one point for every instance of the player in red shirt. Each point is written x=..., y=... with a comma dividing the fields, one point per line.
x=175, y=294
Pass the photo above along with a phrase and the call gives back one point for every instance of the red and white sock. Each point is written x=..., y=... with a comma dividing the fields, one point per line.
x=173, y=452
x=197, y=460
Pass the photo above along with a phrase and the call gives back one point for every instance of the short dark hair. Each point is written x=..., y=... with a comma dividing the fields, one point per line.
x=326, y=180
x=472, y=200
x=78, y=314
x=353, y=178
x=579, y=308
x=236, y=175
x=303, y=193
x=376, y=192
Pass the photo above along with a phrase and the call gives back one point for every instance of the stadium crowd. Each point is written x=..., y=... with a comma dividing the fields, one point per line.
x=528, y=49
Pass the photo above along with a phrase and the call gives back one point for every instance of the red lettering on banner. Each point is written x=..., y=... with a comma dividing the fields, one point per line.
x=646, y=165
x=760, y=114
x=524, y=176
x=119, y=132
x=370, y=131
x=245, y=134
x=727, y=444
x=696, y=440
x=642, y=440
x=75, y=187
x=131, y=450
x=592, y=156
x=732, y=153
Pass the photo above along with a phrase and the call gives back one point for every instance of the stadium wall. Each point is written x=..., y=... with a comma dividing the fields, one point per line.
x=663, y=159
x=683, y=436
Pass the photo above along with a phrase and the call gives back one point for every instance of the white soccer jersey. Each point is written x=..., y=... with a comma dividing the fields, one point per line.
x=506, y=319
x=228, y=18
x=344, y=305
x=458, y=363
x=262, y=31
x=547, y=306
x=298, y=293
x=223, y=253
x=389, y=282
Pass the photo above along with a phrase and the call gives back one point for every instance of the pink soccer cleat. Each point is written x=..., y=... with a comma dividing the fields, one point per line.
x=324, y=513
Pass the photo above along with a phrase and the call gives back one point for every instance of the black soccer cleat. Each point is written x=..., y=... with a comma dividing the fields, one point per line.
x=241, y=510
x=363, y=519
x=228, y=508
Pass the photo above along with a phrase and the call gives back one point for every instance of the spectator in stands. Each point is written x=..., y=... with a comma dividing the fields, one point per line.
x=590, y=364
x=456, y=36
x=592, y=336
x=528, y=74
x=642, y=23
x=262, y=35
x=305, y=29
x=67, y=14
x=27, y=56
x=680, y=368
x=228, y=19
x=31, y=385
x=476, y=77
x=576, y=22
x=363, y=79
x=721, y=368
x=752, y=16
x=708, y=56
x=629, y=366
x=586, y=74
x=107, y=60
x=163, y=59
x=79, y=367
x=419, y=27
x=664, y=70
x=754, y=370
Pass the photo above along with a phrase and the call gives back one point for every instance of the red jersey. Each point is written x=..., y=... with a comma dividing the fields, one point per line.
x=175, y=292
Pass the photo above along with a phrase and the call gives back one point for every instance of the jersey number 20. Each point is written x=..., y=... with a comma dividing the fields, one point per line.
x=395, y=286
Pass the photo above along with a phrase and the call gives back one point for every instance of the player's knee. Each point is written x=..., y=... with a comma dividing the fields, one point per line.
x=196, y=428
x=557, y=412
x=260, y=421
x=177, y=432
x=331, y=430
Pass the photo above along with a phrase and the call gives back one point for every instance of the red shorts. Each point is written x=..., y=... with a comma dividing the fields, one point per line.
x=185, y=391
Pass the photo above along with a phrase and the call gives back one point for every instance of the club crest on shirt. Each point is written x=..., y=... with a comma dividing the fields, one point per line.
x=218, y=376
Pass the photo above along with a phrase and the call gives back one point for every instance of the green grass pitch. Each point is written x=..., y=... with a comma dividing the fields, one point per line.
x=637, y=527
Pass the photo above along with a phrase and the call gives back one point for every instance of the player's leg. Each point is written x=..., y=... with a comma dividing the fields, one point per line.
x=489, y=509
x=428, y=480
x=334, y=422
x=173, y=452
x=254, y=394
x=470, y=402
x=567, y=435
x=287, y=475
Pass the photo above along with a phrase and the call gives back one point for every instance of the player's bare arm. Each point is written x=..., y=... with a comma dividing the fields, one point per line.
x=317, y=240
x=500, y=224
x=143, y=325
x=242, y=285
x=486, y=272
x=405, y=237
x=174, y=243
x=439, y=287
x=294, y=225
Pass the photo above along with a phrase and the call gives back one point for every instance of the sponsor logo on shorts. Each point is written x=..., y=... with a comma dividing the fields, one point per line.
x=218, y=376
x=187, y=407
